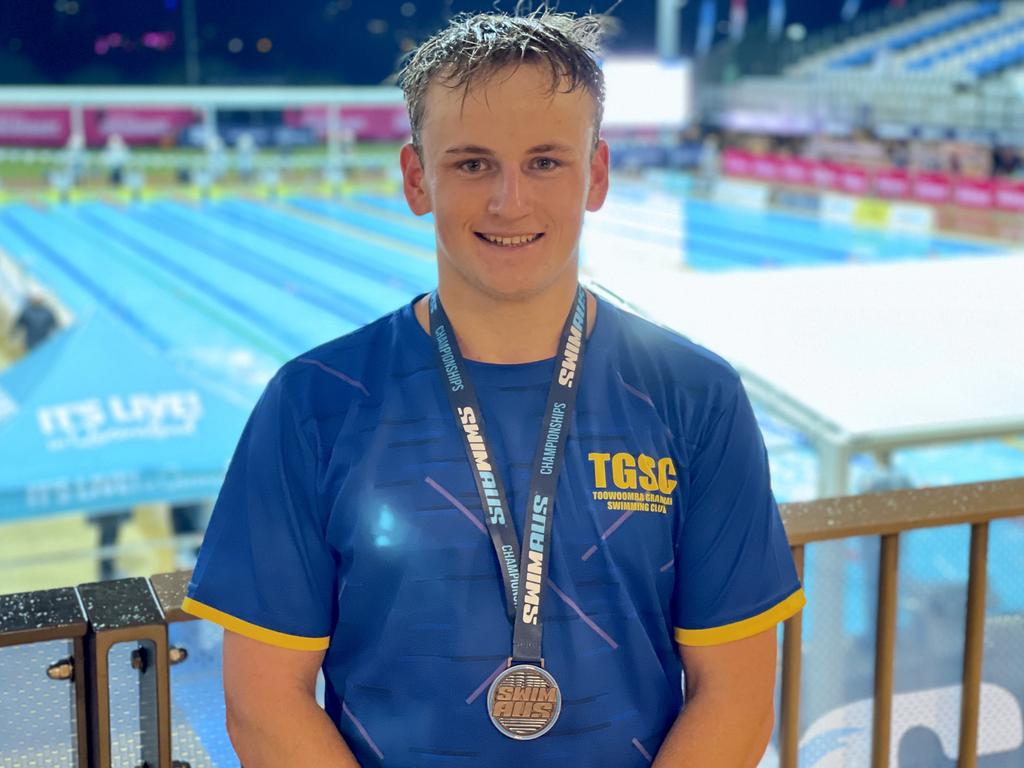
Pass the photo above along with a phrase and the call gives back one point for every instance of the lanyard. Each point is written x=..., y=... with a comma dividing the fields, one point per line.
x=522, y=580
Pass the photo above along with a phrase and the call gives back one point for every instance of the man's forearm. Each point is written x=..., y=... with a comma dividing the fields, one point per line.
x=715, y=734
x=297, y=733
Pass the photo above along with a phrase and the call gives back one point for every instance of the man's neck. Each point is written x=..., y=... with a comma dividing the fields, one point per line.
x=507, y=332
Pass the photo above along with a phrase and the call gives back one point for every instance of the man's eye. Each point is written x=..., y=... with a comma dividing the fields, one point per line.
x=546, y=163
x=473, y=166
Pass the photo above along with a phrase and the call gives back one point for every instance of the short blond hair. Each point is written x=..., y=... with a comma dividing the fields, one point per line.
x=475, y=46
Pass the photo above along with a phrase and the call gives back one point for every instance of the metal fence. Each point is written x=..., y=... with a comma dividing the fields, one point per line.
x=115, y=674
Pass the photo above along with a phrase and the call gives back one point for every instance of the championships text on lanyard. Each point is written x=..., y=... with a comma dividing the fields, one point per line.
x=524, y=700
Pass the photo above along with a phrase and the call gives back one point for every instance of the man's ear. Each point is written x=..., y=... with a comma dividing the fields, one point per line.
x=598, y=190
x=412, y=181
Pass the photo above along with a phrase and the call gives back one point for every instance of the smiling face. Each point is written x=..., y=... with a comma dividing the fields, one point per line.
x=508, y=170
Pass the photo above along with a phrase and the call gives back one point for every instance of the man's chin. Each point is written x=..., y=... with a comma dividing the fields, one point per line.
x=517, y=287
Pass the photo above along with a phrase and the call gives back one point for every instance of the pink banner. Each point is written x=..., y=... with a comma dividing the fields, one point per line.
x=932, y=188
x=854, y=180
x=136, y=126
x=736, y=162
x=796, y=170
x=1009, y=195
x=825, y=175
x=767, y=168
x=374, y=123
x=34, y=127
x=975, y=193
x=892, y=182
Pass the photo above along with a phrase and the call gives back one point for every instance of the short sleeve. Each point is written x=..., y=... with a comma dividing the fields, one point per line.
x=735, y=573
x=265, y=569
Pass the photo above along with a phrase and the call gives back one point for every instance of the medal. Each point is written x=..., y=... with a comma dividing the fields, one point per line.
x=524, y=702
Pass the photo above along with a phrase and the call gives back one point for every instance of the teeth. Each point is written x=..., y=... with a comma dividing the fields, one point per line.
x=517, y=240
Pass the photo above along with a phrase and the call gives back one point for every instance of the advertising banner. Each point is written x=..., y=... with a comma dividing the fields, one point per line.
x=887, y=183
x=1009, y=195
x=34, y=127
x=736, y=162
x=838, y=208
x=854, y=180
x=796, y=170
x=767, y=168
x=869, y=212
x=826, y=175
x=934, y=188
x=385, y=122
x=910, y=217
x=138, y=127
x=974, y=193
x=741, y=193
x=892, y=182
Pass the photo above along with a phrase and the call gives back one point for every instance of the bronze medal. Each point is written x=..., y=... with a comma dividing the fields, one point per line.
x=524, y=702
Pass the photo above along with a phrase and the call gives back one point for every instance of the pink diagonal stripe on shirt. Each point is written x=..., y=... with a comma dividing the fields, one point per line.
x=644, y=752
x=636, y=392
x=338, y=374
x=586, y=619
x=641, y=395
x=615, y=526
x=458, y=504
x=362, y=731
x=608, y=532
x=483, y=686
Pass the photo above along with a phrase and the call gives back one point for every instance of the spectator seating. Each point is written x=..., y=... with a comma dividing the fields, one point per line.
x=977, y=55
x=919, y=33
x=1005, y=58
x=968, y=45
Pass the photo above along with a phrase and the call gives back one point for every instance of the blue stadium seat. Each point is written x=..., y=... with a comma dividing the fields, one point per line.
x=943, y=54
x=921, y=34
x=998, y=61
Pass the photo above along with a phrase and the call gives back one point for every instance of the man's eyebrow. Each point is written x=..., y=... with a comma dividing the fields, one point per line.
x=472, y=149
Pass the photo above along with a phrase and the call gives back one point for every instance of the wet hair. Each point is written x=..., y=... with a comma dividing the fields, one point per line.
x=472, y=48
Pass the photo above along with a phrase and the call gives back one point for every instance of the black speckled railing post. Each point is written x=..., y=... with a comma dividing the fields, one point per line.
x=121, y=611
x=52, y=614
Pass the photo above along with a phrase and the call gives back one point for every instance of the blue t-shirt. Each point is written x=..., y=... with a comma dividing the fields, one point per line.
x=349, y=520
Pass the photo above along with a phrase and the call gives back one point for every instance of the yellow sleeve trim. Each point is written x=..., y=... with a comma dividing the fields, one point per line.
x=254, y=631
x=745, y=628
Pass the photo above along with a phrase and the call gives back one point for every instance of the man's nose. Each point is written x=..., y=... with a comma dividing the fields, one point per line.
x=510, y=195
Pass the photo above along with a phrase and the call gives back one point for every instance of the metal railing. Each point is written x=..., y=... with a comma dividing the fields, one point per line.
x=93, y=618
x=888, y=515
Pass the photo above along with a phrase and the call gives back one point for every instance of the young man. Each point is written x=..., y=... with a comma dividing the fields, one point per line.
x=503, y=518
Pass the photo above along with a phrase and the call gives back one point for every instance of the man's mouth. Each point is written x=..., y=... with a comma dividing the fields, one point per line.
x=510, y=241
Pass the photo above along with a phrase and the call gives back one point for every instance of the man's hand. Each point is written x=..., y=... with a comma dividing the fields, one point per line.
x=273, y=718
x=729, y=712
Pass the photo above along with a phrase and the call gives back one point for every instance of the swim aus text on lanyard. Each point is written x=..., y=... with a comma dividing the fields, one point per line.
x=523, y=701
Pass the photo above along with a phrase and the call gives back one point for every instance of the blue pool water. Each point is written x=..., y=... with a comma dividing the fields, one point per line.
x=247, y=284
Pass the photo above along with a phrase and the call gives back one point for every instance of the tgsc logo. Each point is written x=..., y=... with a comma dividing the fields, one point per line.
x=629, y=483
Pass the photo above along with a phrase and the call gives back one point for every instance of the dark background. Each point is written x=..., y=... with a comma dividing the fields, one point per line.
x=313, y=42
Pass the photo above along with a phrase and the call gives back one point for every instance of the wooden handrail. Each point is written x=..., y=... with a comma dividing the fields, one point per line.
x=879, y=514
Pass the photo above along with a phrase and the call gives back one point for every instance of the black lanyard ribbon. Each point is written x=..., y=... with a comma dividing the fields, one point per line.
x=520, y=578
